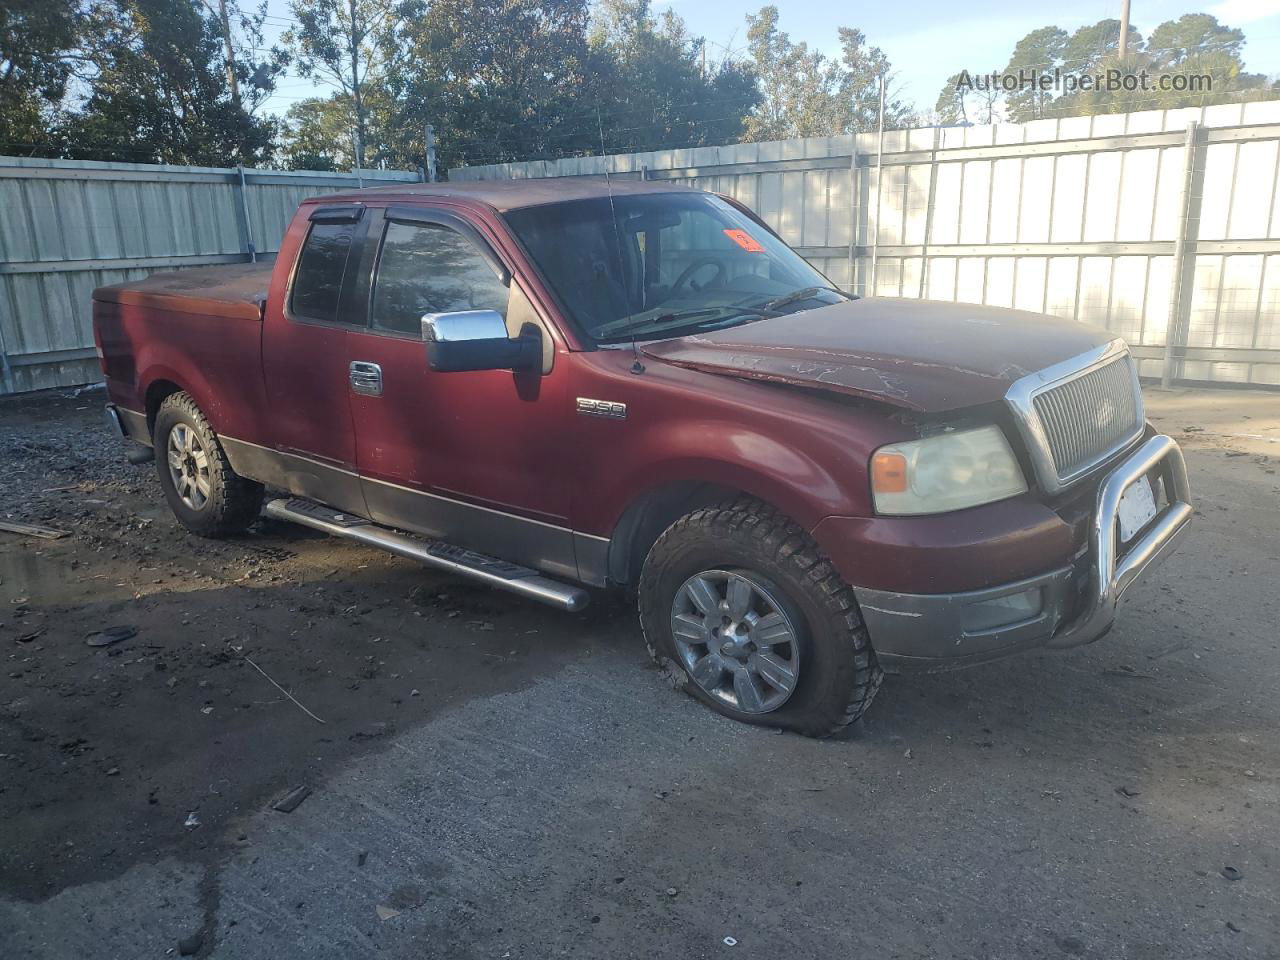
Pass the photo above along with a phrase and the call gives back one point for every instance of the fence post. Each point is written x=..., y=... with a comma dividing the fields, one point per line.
x=1184, y=258
x=928, y=212
x=6, y=375
x=854, y=207
x=875, y=238
x=244, y=211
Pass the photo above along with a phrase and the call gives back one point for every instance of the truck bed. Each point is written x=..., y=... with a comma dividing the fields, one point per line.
x=234, y=290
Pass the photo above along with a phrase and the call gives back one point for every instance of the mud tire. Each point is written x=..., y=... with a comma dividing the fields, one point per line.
x=233, y=501
x=838, y=676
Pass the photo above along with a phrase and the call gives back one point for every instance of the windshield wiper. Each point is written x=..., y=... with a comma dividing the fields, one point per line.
x=804, y=293
x=664, y=319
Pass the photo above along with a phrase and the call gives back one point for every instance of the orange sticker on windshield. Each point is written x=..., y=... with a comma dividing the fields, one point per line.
x=744, y=240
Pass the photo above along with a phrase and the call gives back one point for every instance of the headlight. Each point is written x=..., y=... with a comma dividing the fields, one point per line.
x=948, y=471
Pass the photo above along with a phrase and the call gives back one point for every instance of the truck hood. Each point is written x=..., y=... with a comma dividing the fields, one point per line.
x=923, y=355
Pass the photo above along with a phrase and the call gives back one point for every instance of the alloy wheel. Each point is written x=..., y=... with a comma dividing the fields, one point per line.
x=735, y=640
x=188, y=466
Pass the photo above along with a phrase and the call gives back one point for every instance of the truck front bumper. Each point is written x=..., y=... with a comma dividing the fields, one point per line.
x=1065, y=607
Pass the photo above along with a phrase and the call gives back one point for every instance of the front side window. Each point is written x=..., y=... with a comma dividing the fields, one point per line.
x=425, y=268
x=659, y=265
x=318, y=279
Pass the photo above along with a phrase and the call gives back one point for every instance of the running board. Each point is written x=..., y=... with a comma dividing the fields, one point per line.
x=433, y=553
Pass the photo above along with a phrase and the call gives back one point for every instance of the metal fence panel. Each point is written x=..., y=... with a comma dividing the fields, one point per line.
x=69, y=226
x=1081, y=217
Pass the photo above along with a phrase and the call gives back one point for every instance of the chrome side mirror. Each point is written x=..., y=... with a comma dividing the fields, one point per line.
x=477, y=340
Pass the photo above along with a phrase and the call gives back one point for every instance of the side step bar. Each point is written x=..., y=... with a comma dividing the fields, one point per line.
x=432, y=553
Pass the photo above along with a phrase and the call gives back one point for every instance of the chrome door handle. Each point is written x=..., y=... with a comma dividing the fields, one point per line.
x=366, y=378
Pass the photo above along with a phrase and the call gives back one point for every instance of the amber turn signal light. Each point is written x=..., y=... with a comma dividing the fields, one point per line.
x=889, y=473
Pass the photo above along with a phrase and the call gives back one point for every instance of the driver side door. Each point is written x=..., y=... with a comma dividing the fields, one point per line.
x=474, y=458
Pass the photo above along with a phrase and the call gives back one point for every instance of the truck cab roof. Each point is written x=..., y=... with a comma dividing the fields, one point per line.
x=504, y=195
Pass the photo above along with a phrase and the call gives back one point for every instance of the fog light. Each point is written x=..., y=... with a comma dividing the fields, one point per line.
x=1002, y=611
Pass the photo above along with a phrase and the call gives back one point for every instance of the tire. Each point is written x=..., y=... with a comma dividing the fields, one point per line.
x=206, y=495
x=746, y=545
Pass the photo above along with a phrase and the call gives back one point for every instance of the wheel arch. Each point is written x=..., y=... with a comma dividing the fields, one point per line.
x=157, y=392
x=160, y=380
x=652, y=510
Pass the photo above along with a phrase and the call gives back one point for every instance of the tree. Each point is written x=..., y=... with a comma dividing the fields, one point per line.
x=952, y=105
x=317, y=135
x=962, y=102
x=1039, y=52
x=38, y=39
x=803, y=93
x=498, y=79
x=797, y=86
x=859, y=89
x=347, y=42
x=1196, y=43
x=1091, y=46
x=652, y=86
x=159, y=90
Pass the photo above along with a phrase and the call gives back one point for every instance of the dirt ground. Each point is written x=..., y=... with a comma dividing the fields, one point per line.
x=490, y=778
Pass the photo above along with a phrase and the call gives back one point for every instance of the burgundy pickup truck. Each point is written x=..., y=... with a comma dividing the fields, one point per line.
x=551, y=385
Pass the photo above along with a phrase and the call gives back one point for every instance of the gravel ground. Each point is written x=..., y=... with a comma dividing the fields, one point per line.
x=493, y=779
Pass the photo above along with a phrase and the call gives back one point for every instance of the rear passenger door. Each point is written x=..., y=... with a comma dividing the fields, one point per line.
x=475, y=458
x=305, y=360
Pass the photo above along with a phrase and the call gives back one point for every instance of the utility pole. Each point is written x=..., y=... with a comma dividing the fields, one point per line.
x=228, y=52
x=431, y=153
x=358, y=101
x=1124, y=30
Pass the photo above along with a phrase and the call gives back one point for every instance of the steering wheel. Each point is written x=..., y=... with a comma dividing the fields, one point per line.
x=687, y=274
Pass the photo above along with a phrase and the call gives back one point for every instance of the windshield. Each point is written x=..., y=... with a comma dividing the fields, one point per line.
x=662, y=265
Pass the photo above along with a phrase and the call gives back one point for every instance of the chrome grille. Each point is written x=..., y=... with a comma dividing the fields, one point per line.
x=1089, y=417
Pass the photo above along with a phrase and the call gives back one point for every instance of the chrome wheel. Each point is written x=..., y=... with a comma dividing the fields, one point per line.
x=735, y=640
x=188, y=466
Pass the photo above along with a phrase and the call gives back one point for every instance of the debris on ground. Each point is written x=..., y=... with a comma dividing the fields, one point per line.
x=386, y=913
x=1231, y=873
x=282, y=690
x=1126, y=791
x=192, y=820
x=730, y=941
x=110, y=635
x=291, y=800
x=31, y=530
x=190, y=946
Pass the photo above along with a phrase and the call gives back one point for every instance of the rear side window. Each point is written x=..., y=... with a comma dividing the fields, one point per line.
x=431, y=269
x=318, y=279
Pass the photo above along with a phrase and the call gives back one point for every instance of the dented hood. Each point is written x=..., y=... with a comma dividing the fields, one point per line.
x=923, y=355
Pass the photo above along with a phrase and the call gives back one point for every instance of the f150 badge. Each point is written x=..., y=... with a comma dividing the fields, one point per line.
x=602, y=408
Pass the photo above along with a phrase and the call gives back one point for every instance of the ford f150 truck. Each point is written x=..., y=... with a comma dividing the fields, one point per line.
x=551, y=385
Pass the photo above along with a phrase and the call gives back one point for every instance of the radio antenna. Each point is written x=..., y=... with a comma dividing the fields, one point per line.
x=637, y=366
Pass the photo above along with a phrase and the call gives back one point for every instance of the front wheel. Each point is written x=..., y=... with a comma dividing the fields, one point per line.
x=743, y=612
x=205, y=494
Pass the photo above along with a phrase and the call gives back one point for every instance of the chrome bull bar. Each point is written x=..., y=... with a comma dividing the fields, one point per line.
x=1111, y=574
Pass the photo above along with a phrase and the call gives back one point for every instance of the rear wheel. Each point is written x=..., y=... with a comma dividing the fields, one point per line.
x=742, y=611
x=205, y=494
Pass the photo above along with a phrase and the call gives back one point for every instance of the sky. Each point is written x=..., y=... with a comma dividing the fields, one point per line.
x=926, y=41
